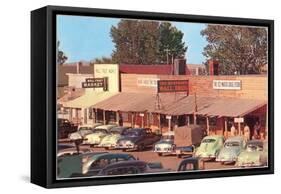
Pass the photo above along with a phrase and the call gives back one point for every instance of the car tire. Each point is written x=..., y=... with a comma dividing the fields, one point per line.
x=160, y=154
x=140, y=147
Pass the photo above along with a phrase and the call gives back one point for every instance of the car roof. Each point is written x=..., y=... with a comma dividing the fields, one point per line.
x=109, y=156
x=234, y=138
x=127, y=163
x=213, y=137
x=105, y=126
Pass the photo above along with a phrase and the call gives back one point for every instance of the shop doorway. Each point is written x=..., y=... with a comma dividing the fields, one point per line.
x=251, y=121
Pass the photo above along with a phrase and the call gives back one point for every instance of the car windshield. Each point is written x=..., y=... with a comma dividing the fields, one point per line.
x=232, y=144
x=100, y=131
x=254, y=147
x=208, y=140
x=168, y=137
x=84, y=128
x=133, y=133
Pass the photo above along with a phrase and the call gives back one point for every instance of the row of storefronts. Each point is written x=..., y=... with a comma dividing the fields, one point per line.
x=214, y=102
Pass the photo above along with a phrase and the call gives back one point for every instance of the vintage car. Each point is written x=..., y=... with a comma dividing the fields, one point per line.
x=190, y=164
x=130, y=167
x=65, y=127
x=62, y=146
x=166, y=144
x=96, y=137
x=72, y=151
x=83, y=130
x=106, y=127
x=115, y=133
x=96, y=163
x=255, y=154
x=137, y=139
x=210, y=147
x=231, y=149
x=71, y=165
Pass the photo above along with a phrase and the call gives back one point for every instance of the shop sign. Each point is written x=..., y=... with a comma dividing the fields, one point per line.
x=147, y=82
x=239, y=120
x=168, y=117
x=227, y=84
x=95, y=83
x=172, y=86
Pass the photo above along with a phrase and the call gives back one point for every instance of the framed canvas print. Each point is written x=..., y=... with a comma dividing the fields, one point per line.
x=126, y=96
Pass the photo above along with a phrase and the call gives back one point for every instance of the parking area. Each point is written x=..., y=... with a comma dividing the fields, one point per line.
x=170, y=162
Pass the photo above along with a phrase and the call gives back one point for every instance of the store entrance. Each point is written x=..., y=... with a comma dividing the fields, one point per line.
x=251, y=121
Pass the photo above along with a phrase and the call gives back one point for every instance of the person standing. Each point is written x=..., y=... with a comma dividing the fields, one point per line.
x=257, y=129
x=246, y=132
x=232, y=130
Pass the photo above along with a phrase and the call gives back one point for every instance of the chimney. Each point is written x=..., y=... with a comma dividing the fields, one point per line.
x=78, y=65
x=213, y=67
x=179, y=67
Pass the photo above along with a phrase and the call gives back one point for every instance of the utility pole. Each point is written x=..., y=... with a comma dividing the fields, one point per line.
x=167, y=52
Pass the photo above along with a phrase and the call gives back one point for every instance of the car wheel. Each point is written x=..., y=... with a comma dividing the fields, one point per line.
x=124, y=150
x=160, y=154
x=141, y=147
x=179, y=155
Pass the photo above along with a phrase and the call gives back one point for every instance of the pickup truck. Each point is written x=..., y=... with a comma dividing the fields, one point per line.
x=181, y=141
x=137, y=139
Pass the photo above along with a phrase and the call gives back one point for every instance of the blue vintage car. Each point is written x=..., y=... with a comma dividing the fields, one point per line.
x=166, y=144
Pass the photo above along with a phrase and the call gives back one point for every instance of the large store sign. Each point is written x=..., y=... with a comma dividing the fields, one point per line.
x=172, y=86
x=147, y=82
x=96, y=83
x=227, y=84
x=111, y=71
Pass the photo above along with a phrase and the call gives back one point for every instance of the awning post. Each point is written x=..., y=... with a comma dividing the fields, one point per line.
x=117, y=117
x=208, y=126
x=103, y=112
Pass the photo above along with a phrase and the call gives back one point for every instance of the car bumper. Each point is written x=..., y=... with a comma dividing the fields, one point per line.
x=126, y=146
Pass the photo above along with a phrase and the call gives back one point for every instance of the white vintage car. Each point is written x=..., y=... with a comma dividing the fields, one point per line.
x=166, y=144
x=83, y=130
x=231, y=149
x=98, y=134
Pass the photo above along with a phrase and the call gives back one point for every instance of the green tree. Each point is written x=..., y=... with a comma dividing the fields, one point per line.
x=103, y=60
x=146, y=42
x=171, y=45
x=239, y=49
x=61, y=57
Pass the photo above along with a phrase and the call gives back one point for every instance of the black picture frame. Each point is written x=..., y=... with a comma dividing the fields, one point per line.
x=43, y=96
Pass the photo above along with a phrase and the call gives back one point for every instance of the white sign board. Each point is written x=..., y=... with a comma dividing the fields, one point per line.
x=227, y=84
x=147, y=82
x=111, y=71
x=168, y=117
x=141, y=114
x=239, y=120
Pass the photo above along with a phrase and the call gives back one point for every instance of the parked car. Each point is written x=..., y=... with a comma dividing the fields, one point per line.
x=71, y=165
x=129, y=167
x=137, y=139
x=97, y=162
x=83, y=130
x=115, y=133
x=62, y=146
x=166, y=144
x=96, y=137
x=189, y=164
x=210, y=147
x=72, y=151
x=106, y=127
x=65, y=127
x=231, y=149
x=255, y=154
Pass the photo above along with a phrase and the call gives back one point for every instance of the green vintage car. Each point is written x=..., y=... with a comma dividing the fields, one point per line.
x=210, y=147
x=255, y=154
x=231, y=149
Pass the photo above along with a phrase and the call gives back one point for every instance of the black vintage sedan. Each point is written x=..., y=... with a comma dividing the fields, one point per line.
x=138, y=139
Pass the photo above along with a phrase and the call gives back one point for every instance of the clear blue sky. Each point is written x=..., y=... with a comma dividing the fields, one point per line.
x=85, y=38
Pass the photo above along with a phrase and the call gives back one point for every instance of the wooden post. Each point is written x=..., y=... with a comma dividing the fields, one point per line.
x=225, y=127
x=117, y=117
x=159, y=120
x=103, y=112
x=96, y=115
x=208, y=125
x=195, y=119
x=239, y=128
x=188, y=120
